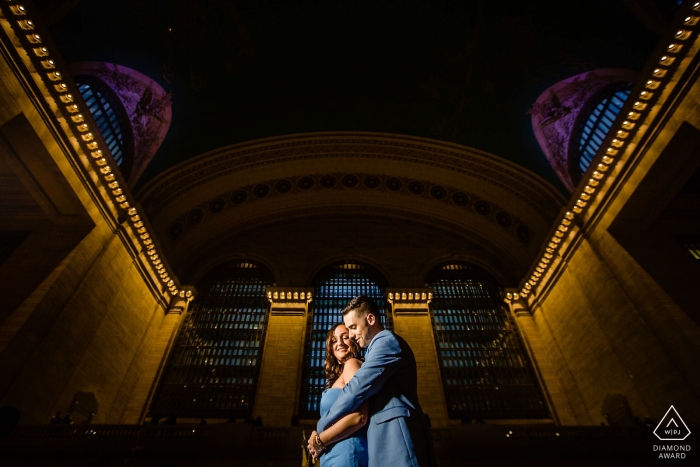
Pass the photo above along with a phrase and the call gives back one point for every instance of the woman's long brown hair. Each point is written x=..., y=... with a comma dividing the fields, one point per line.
x=333, y=367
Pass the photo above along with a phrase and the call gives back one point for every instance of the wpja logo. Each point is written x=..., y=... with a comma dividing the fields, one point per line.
x=672, y=428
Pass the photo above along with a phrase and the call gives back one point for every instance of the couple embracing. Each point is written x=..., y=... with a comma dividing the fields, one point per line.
x=370, y=414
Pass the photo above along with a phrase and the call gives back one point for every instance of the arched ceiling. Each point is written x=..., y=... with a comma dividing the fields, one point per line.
x=460, y=72
x=358, y=191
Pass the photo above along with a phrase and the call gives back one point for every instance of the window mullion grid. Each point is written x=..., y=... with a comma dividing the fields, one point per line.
x=216, y=331
x=475, y=352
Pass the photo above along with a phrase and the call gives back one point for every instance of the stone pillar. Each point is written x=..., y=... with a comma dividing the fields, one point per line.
x=549, y=382
x=412, y=322
x=158, y=344
x=277, y=397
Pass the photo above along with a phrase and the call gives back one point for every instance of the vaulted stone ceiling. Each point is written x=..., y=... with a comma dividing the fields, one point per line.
x=309, y=198
x=461, y=72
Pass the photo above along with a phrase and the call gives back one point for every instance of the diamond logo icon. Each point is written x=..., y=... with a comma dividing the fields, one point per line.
x=671, y=427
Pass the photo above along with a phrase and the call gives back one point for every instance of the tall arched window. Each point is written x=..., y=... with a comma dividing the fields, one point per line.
x=109, y=115
x=334, y=287
x=214, y=366
x=598, y=120
x=485, y=369
x=570, y=118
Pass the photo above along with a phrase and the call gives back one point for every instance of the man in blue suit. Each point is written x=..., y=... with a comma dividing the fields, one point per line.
x=397, y=432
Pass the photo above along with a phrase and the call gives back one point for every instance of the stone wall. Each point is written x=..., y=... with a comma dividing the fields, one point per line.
x=79, y=308
x=609, y=330
x=277, y=397
x=417, y=330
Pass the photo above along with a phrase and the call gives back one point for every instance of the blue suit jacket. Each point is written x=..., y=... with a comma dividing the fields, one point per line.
x=397, y=432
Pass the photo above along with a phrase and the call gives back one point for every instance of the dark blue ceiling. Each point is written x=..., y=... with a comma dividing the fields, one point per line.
x=462, y=71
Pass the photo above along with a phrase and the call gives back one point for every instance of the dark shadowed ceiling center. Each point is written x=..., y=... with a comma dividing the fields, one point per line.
x=462, y=72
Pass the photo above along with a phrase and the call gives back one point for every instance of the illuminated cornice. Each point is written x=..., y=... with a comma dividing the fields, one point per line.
x=634, y=120
x=41, y=65
x=410, y=300
x=290, y=301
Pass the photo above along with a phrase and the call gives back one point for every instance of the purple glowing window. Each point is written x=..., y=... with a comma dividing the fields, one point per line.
x=104, y=110
x=599, y=122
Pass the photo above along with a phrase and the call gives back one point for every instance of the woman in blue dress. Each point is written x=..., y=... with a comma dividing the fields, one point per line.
x=345, y=443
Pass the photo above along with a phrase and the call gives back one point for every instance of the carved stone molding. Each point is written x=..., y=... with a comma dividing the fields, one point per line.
x=468, y=202
x=518, y=303
x=289, y=301
x=491, y=169
x=410, y=300
x=180, y=302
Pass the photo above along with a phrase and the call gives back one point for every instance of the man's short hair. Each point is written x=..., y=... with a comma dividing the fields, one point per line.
x=362, y=306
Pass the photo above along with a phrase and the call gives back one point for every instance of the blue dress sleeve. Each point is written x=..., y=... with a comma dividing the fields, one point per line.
x=382, y=361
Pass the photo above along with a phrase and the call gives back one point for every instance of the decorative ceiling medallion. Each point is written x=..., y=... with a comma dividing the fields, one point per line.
x=239, y=196
x=217, y=205
x=438, y=192
x=371, y=181
x=195, y=216
x=482, y=207
x=503, y=219
x=460, y=199
x=305, y=183
x=261, y=190
x=523, y=233
x=416, y=188
x=328, y=181
x=350, y=181
x=283, y=186
x=394, y=184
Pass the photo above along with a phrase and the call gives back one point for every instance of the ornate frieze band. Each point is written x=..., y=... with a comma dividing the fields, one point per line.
x=471, y=162
x=410, y=300
x=289, y=301
x=379, y=183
